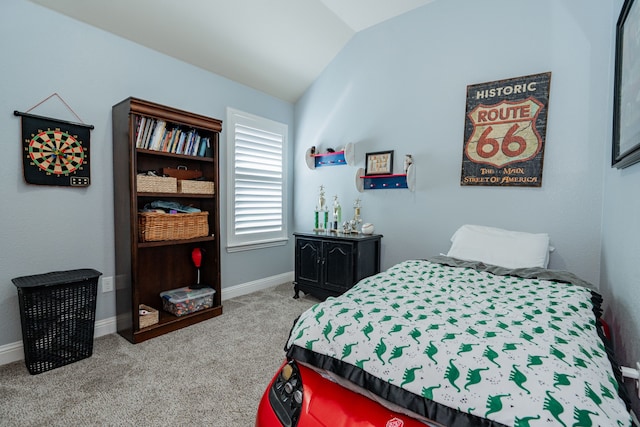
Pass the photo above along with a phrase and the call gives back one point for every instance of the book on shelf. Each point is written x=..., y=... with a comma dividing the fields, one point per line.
x=140, y=122
x=204, y=144
x=149, y=126
x=147, y=132
x=151, y=136
x=194, y=146
x=189, y=142
x=180, y=143
x=158, y=135
x=165, y=140
x=142, y=129
x=174, y=139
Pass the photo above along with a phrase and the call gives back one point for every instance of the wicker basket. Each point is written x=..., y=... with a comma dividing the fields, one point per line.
x=148, y=319
x=155, y=226
x=195, y=187
x=156, y=184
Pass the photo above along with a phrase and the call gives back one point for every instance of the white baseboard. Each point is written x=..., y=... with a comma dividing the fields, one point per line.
x=14, y=352
x=256, y=285
x=10, y=353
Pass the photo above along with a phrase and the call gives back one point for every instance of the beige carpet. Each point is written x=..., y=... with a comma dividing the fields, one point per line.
x=212, y=373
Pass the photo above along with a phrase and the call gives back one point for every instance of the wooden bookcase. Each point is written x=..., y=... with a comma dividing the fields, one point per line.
x=144, y=269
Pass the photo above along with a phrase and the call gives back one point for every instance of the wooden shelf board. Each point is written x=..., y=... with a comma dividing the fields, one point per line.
x=177, y=156
x=175, y=242
x=169, y=322
x=176, y=195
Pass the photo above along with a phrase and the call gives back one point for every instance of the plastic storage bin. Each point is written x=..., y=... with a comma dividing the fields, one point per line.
x=187, y=300
x=57, y=312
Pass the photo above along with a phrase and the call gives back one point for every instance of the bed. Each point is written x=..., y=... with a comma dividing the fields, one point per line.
x=448, y=341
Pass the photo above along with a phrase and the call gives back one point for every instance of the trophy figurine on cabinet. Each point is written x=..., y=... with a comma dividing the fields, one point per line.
x=337, y=214
x=321, y=216
x=354, y=224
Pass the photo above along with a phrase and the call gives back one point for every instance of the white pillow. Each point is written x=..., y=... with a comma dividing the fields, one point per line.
x=510, y=249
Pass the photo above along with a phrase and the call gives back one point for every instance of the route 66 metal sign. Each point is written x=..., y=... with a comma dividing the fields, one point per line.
x=505, y=129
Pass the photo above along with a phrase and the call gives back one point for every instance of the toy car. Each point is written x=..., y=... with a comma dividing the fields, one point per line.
x=299, y=396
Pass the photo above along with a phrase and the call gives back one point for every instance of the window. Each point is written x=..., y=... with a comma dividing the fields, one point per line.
x=256, y=209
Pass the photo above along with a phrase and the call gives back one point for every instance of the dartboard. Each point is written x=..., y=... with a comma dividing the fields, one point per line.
x=55, y=152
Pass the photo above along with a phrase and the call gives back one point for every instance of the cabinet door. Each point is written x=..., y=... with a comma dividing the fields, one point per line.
x=338, y=265
x=308, y=259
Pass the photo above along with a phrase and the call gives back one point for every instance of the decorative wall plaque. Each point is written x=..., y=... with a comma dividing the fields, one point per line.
x=505, y=130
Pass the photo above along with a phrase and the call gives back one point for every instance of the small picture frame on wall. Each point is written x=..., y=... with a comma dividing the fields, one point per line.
x=626, y=106
x=379, y=163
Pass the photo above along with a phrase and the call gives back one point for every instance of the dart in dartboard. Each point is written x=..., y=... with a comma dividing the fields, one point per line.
x=196, y=257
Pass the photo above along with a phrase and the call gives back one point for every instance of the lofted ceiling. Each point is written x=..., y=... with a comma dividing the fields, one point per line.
x=276, y=46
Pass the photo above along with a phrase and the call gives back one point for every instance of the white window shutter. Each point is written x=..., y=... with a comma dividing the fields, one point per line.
x=256, y=182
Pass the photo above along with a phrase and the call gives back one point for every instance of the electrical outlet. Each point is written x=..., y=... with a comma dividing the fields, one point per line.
x=107, y=284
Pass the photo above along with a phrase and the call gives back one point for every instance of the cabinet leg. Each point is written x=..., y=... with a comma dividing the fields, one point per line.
x=296, y=293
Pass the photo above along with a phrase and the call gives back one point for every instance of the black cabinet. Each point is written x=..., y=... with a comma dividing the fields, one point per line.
x=329, y=264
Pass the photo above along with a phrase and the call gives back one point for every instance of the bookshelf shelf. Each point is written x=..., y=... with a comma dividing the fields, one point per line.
x=173, y=155
x=144, y=269
x=168, y=322
x=175, y=242
x=173, y=195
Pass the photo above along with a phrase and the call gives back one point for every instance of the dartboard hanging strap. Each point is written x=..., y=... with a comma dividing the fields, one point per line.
x=63, y=122
x=61, y=100
x=56, y=152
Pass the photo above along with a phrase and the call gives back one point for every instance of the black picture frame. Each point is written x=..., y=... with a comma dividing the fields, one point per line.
x=379, y=163
x=626, y=105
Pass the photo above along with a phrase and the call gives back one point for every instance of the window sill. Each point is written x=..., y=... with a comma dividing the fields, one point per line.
x=240, y=247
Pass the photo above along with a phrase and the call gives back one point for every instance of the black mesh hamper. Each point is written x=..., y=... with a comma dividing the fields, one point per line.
x=57, y=312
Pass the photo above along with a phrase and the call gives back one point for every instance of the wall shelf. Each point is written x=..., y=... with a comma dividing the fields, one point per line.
x=386, y=182
x=338, y=158
x=329, y=159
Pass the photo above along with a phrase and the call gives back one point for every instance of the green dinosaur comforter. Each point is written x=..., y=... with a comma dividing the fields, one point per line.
x=454, y=343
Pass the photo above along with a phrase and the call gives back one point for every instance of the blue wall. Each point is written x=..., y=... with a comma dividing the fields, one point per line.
x=401, y=86
x=620, y=269
x=54, y=228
